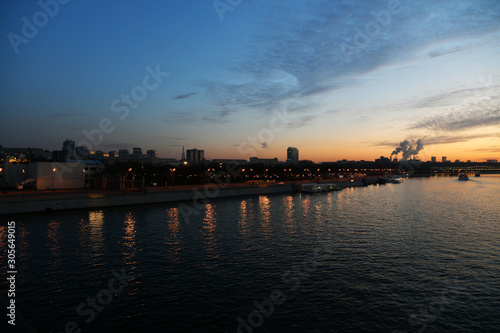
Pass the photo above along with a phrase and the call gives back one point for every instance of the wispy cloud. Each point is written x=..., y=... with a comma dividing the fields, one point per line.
x=451, y=97
x=456, y=121
x=304, y=57
x=440, y=139
x=219, y=116
x=447, y=139
x=184, y=96
x=300, y=121
x=490, y=149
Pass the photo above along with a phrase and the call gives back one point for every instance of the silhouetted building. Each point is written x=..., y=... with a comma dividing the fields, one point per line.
x=382, y=159
x=152, y=153
x=123, y=153
x=68, y=149
x=491, y=161
x=52, y=175
x=230, y=161
x=82, y=152
x=264, y=161
x=137, y=153
x=292, y=155
x=57, y=155
x=443, y=159
x=99, y=154
x=195, y=155
x=433, y=159
x=112, y=154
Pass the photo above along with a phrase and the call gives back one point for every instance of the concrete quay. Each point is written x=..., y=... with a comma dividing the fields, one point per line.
x=48, y=202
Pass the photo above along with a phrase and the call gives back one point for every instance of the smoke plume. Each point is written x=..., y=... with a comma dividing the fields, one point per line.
x=408, y=149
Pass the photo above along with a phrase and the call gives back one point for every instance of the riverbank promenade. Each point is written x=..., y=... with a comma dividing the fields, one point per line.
x=35, y=201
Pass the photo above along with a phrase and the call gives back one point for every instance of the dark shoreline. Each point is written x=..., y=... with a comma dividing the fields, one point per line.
x=50, y=203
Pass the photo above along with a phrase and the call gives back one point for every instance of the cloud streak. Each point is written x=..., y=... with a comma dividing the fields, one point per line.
x=441, y=139
x=459, y=121
x=219, y=117
x=305, y=50
x=184, y=96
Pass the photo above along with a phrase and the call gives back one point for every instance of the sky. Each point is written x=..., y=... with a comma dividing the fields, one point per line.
x=240, y=78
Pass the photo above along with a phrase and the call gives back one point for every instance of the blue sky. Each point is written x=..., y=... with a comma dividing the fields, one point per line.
x=354, y=78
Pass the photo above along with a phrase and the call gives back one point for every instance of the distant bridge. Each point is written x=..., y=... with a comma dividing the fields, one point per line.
x=481, y=169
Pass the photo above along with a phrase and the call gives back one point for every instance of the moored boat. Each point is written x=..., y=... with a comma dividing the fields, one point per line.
x=463, y=176
x=317, y=188
x=384, y=180
x=397, y=179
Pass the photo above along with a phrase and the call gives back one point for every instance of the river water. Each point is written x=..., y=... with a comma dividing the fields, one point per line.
x=420, y=256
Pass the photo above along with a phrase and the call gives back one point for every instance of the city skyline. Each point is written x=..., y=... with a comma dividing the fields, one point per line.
x=337, y=80
x=70, y=151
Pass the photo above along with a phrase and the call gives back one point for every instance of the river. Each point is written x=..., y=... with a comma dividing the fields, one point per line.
x=423, y=255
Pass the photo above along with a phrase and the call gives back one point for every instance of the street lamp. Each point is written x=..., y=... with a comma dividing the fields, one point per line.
x=53, y=183
x=24, y=180
x=173, y=178
x=125, y=184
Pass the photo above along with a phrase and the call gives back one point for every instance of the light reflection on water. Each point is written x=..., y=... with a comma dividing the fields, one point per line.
x=265, y=215
x=96, y=238
x=129, y=245
x=246, y=217
x=173, y=241
x=289, y=210
x=209, y=227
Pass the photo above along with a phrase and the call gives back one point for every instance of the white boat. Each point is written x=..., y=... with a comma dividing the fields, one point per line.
x=317, y=188
x=397, y=179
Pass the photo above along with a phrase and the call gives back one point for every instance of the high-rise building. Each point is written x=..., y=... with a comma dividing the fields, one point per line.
x=443, y=159
x=68, y=149
x=292, y=155
x=137, y=153
x=57, y=155
x=123, y=153
x=433, y=159
x=151, y=153
x=82, y=152
x=195, y=155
